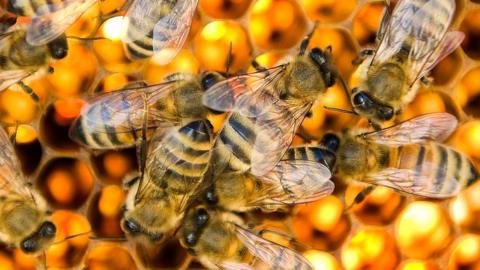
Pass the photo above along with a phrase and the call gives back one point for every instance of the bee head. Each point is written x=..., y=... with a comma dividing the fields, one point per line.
x=210, y=78
x=194, y=224
x=330, y=141
x=133, y=229
x=40, y=238
x=58, y=48
x=366, y=105
x=324, y=61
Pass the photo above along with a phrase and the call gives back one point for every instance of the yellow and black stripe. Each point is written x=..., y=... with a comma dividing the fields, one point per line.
x=31, y=8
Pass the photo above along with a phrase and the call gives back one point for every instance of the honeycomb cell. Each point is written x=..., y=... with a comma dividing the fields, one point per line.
x=87, y=24
x=471, y=27
x=277, y=24
x=185, y=61
x=423, y=230
x=114, y=81
x=366, y=23
x=109, y=256
x=322, y=225
x=465, y=209
x=28, y=148
x=66, y=182
x=71, y=242
x=17, y=106
x=335, y=97
x=225, y=9
x=467, y=138
x=380, y=207
x=372, y=248
x=170, y=255
x=105, y=211
x=113, y=166
x=418, y=265
x=447, y=69
x=213, y=43
x=329, y=11
x=428, y=102
x=467, y=92
x=74, y=74
x=55, y=123
x=466, y=254
x=109, y=6
x=322, y=260
x=343, y=47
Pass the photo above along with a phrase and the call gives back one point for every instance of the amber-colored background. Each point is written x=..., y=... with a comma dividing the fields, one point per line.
x=387, y=231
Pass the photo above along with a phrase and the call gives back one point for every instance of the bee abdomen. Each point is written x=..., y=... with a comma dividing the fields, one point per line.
x=311, y=153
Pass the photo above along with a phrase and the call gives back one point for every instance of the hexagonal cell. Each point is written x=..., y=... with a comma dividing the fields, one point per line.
x=465, y=209
x=366, y=23
x=185, y=61
x=322, y=260
x=71, y=241
x=380, y=207
x=212, y=46
x=65, y=182
x=277, y=24
x=428, y=101
x=471, y=27
x=225, y=9
x=170, y=255
x=105, y=211
x=329, y=11
x=13, y=259
x=16, y=106
x=372, y=248
x=343, y=47
x=418, y=265
x=447, y=69
x=112, y=166
x=466, y=253
x=109, y=256
x=467, y=92
x=423, y=230
x=322, y=225
x=56, y=122
x=28, y=148
x=467, y=139
x=113, y=81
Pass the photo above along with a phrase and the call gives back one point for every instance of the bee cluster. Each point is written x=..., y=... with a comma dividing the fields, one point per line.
x=239, y=134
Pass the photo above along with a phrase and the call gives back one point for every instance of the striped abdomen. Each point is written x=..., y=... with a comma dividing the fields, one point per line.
x=311, y=153
x=31, y=8
x=435, y=161
x=235, y=142
x=140, y=28
x=180, y=163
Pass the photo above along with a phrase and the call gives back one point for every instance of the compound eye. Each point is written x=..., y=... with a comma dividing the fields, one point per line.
x=48, y=229
x=386, y=113
x=208, y=81
x=361, y=99
x=201, y=217
x=131, y=226
x=29, y=245
x=191, y=239
x=330, y=141
x=156, y=237
x=58, y=48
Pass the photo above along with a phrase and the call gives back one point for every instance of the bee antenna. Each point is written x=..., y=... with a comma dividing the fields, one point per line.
x=306, y=40
x=85, y=38
x=340, y=110
x=229, y=58
x=111, y=239
x=71, y=236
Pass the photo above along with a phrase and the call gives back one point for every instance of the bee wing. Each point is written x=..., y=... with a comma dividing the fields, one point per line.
x=424, y=183
x=237, y=92
x=236, y=266
x=53, y=19
x=11, y=77
x=275, y=131
x=274, y=255
x=11, y=179
x=172, y=30
x=433, y=126
x=124, y=111
x=417, y=28
x=449, y=43
x=295, y=182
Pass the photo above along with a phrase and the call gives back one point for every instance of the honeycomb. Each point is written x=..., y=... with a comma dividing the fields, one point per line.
x=386, y=231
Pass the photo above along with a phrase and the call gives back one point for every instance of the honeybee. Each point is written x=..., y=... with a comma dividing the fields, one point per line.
x=153, y=26
x=406, y=157
x=268, y=106
x=176, y=163
x=218, y=240
x=301, y=176
x=24, y=219
x=114, y=119
x=410, y=44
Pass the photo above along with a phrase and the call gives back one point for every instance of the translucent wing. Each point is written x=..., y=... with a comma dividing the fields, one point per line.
x=225, y=95
x=172, y=30
x=449, y=43
x=432, y=126
x=11, y=179
x=416, y=28
x=236, y=266
x=53, y=19
x=274, y=255
x=294, y=182
x=410, y=181
x=11, y=77
x=124, y=111
x=275, y=129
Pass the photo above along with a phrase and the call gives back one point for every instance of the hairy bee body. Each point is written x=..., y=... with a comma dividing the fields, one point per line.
x=17, y=54
x=140, y=46
x=33, y=7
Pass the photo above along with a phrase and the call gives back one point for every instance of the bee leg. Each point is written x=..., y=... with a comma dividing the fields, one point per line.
x=362, y=55
x=361, y=196
x=30, y=92
x=426, y=81
x=375, y=126
x=306, y=40
x=257, y=66
x=290, y=238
